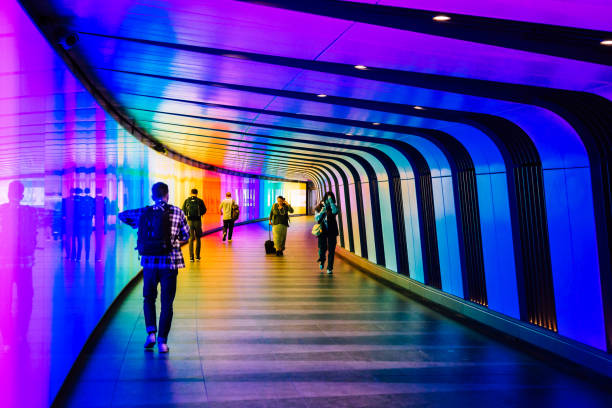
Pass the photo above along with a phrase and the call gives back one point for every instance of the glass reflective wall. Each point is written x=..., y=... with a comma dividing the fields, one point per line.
x=66, y=170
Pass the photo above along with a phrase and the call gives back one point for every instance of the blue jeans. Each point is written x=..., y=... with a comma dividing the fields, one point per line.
x=166, y=278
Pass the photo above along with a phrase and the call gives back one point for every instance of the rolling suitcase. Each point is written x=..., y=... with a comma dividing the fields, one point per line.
x=269, y=244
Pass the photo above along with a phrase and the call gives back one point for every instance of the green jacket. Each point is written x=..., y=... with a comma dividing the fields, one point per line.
x=280, y=215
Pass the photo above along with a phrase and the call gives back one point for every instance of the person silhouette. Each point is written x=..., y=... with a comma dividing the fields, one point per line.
x=18, y=227
x=102, y=207
x=85, y=207
x=68, y=221
x=57, y=228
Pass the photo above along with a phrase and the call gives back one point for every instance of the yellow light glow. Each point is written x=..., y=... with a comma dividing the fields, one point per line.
x=441, y=18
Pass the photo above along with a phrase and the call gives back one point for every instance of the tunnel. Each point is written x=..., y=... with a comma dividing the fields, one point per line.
x=461, y=149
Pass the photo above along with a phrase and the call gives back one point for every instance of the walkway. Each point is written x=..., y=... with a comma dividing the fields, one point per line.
x=260, y=331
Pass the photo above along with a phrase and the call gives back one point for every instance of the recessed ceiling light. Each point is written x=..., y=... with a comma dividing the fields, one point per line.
x=419, y=108
x=361, y=67
x=606, y=42
x=376, y=123
x=441, y=18
x=322, y=95
x=349, y=134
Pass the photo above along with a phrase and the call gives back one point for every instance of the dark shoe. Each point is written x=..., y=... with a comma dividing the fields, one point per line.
x=321, y=266
x=150, y=342
x=197, y=259
x=224, y=237
x=191, y=260
x=278, y=253
x=329, y=272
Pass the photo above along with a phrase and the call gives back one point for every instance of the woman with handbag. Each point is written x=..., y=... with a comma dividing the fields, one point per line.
x=279, y=219
x=325, y=215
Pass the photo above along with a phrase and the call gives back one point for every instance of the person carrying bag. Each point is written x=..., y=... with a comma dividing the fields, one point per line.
x=230, y=211
x=194, y=208
x=325, y=215
x=279, y=219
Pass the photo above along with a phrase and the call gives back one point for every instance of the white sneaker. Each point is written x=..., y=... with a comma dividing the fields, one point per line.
x=329, y=272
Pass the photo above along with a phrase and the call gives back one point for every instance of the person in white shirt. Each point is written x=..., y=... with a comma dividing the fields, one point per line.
x=229, y=209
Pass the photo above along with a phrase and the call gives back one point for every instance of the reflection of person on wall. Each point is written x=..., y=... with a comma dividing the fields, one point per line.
x=84, y=211
x=230, y=211
x=18, y=229
x=57, y=228
x=279, y=219
x=194, y=209
x=325, y=214
x=68, y=211
x=102, y=207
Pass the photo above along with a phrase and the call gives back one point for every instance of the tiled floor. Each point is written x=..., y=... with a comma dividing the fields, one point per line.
x=261, y=331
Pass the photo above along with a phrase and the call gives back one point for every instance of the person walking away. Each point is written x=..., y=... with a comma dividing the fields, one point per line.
x=325, y=214
x=69, y=224
x=162, y=228
x=229, y=209
x=18, y=228
x=57, y=229
x=279, y=219
x=194, y=208
x=102, y=206
x=85, y=208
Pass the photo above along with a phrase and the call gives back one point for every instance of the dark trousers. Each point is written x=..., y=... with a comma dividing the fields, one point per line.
x=195, y=230
x=166, y=278
x=327, y=244
x=228, y=228
x=83, y=237
x=70, y=244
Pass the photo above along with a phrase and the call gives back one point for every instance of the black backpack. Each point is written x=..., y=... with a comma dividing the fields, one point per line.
x=192, y=207
x=154, y=235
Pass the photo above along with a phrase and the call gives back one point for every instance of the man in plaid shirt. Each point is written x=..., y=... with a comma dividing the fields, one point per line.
x=162, y=269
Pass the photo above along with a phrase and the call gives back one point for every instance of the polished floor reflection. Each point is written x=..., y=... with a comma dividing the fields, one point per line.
x=262, y=331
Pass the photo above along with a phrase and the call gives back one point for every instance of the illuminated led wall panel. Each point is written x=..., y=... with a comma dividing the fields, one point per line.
x=66, y=169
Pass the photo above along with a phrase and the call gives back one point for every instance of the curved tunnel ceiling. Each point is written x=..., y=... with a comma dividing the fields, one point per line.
x=380, y=100
x=237, y=68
